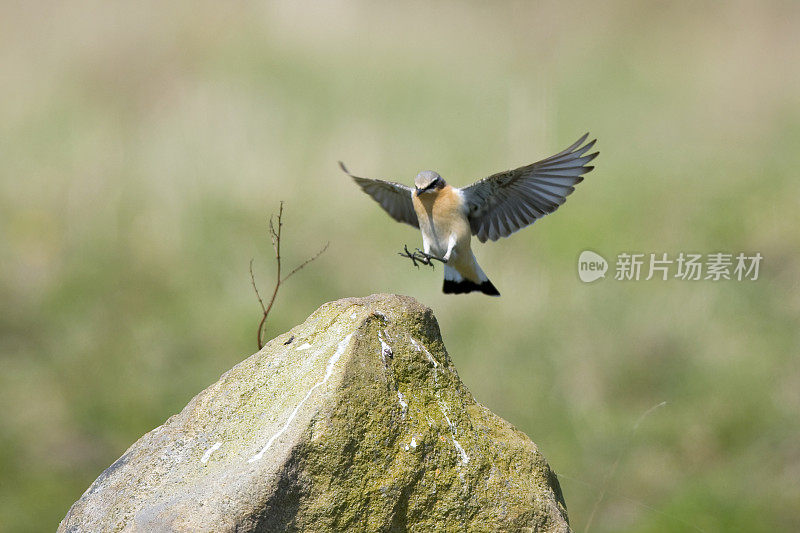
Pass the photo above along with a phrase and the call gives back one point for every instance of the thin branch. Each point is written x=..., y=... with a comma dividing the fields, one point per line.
x=275, y=237
x=307, y=261
x=253, y=281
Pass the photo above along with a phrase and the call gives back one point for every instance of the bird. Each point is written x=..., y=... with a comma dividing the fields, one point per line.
x=490, y=208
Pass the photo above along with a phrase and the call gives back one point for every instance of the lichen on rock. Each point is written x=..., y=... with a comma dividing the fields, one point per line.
x=355, y=420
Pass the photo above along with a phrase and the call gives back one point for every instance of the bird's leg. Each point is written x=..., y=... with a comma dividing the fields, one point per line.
x=425, y=258
x=451, y=244
x=419, y=256
x=426, y=244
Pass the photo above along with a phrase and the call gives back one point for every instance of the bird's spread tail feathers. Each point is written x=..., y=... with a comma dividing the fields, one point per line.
x=455, y=283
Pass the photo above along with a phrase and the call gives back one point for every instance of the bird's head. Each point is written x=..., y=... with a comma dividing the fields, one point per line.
x=428, y=181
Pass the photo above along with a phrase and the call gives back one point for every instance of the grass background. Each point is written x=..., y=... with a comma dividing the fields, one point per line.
x=143, y=146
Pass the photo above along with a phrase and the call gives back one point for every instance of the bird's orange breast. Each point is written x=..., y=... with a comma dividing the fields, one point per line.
x=444, y=207
x=441, y=215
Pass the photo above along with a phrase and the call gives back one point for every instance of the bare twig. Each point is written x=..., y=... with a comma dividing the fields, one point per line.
x=253, y=280
x=275, y=237
x=307, y=261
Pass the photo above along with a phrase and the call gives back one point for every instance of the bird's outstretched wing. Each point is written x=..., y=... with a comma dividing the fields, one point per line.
x=508, y=201
x=394, y=198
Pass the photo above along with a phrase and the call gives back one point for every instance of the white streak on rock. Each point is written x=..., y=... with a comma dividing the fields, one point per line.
x=304, y=346
x=328, y=372
x=403, y=403
x=207, y=455
x=464, y=456
x=443, y=407
x=421, y=348
x=454, y=430
x=385, y=348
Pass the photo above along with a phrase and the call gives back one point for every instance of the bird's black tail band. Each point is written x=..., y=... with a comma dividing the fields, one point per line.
x=464, y=286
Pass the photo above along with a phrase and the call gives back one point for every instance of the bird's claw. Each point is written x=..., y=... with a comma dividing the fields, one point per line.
x=429, y=257
x=419, y=256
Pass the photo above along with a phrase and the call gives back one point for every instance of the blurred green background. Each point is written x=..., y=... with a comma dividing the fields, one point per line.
x=144, y=145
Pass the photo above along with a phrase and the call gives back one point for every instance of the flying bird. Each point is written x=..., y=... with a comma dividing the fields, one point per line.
x=490, y=208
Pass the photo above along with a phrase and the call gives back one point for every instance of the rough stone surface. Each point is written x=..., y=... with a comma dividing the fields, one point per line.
x=355, y=420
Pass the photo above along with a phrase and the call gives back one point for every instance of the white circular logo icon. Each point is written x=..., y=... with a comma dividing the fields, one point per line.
x=591, y=266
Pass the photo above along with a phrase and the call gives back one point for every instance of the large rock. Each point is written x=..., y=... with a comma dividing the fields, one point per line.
x=356, y=420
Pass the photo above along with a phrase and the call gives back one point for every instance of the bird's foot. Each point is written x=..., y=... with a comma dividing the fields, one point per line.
x=419, y=256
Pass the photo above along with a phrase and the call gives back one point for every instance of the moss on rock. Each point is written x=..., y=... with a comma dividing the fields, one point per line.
x=354, y=420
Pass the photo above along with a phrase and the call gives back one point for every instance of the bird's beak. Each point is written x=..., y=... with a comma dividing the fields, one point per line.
x=418, y=191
